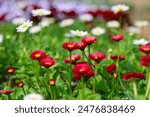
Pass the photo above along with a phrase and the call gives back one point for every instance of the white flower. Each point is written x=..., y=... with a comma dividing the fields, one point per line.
x=140, y=41
x=79, y=33
x=33, y=96
x=1, y=38
x=98, y=31
x=119, y=8
x=134, y=30
x=86, y=17
x=113, y=24
x=141, y=23
x=18, y=21
x=46, y=22
x=68, y=35
x=23, y=27
x=40, y=12
x=66, y=22
x=35, y=29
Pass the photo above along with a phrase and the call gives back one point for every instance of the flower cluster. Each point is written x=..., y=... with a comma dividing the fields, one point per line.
x=45, y=61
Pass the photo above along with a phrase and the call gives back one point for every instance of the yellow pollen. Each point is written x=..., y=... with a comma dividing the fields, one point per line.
x=81, y=70
x=52, y=82
x=10, y=70
x=146, y=49
x=120, y=9
x=48, y=63
x=96, y=57
x=115, y=75
x=70, y=46
x=24, y=26
x=37, y=55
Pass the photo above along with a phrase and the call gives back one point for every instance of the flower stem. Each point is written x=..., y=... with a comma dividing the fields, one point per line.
x=23, y=90
x=9, y=83
x=120, y=80
x=70, y=87
x=94, y=80
x=148, y=84
x=82, y=88
x=135, y=88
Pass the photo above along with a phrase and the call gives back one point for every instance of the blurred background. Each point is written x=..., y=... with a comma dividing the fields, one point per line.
x=11, y=8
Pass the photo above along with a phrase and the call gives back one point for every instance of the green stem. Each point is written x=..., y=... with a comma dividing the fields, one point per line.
x=70, y=87
x=135, y=88
x=9, y=83
x=94, y=80
x=82, y=88
x=70, y=54
x=120, y=80
x=23, y=90
x=92, y=66
x=148, y=84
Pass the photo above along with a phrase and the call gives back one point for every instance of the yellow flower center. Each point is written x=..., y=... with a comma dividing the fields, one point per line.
x=25, y=26
x=10, y=71
x=52, y=82
x=120, y=9
x=146, y=49
x=70, y=46
x=37, y=55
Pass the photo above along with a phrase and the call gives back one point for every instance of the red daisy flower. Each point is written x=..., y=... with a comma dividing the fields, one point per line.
x=97, y=56
x=74, y=59
x=10, y=70
x=133, y=75
x=20, y=84
x=81, y=46
x=52, y=82
x=89, y=74
x=110, y=68
x=117, y=37
x=88, y=40
x=145, y=60
x=81, y=68
x=37, y=54
x=145, y=48
x=115, y=57
x=70, y=46
x=4, y=91
x=47, y=62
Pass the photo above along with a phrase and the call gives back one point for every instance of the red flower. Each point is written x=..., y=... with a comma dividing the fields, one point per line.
x=10, y=70
x=117, y=37
x=81, y=46
x=52, y=82
x=4, y=91
x=74, y=59
x=47, y=62
x=81, y=68
x=88, y=40
x=97, y=56
x=133, y=75
x=37, y=54
x=115, y=57
x=145, y=60
x=76, y=77
x=70, y=46
x=20, y=84
x=110, y=68
x=145, y=48
x=89, y=74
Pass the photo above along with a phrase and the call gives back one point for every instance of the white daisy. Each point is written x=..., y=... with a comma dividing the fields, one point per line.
x=86, y=17
x=79, y=33
x=66, y=22
x=134, y=30
x=98, y=31
x=1, y=38
x=46, y=22
x=119, y=8
x=141, y=24
x=35, y=29
x=18, y=21
x=33, y=96
x=140, y=41
x=40, y=12
x=23, y=27
x=113, y=24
